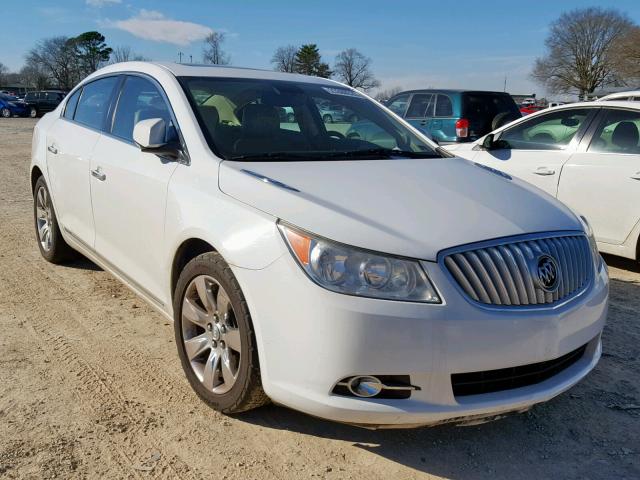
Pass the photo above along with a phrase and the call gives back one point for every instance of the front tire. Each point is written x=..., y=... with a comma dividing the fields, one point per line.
x=5, y=112
x=215, y=337
x=52, y=245
x=33, y=113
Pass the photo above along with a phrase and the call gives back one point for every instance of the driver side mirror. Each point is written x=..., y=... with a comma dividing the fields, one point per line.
x=150, y=136
x=491, y=143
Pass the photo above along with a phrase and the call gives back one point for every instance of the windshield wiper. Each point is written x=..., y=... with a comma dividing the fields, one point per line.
x=382, y=152
x=271, y=156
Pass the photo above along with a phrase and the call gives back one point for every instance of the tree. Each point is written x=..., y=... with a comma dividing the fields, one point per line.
x=56, y=56
x=384, y=95
x=125, y=54
x=213, y=51
x=4, y=70
x=579, y=50
x=308, y=62
x=354, y=69
x=626, y=57
x=34, y=75
x=284, y=59
x=91, y=51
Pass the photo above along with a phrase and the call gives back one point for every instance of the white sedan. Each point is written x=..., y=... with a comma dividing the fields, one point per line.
x=377, y=282
x=585, y=154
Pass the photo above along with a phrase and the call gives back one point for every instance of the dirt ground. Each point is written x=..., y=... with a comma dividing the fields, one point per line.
x=91, y=387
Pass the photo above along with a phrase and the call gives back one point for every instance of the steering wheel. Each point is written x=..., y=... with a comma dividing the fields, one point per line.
x=334, y=134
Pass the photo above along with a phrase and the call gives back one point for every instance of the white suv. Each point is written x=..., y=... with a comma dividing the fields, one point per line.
x=377, y=282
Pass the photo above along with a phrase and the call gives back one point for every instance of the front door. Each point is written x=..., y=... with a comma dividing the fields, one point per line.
x=420, y=111
x=129, y=190
x=535, y=150
x=603, y=182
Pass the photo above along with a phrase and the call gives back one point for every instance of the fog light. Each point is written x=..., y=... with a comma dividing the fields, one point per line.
x=365, y=386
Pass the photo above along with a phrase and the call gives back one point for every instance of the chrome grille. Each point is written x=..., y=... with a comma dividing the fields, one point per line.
x=505, y=272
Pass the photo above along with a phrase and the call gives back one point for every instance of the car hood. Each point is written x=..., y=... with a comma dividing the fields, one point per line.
x=409, y=207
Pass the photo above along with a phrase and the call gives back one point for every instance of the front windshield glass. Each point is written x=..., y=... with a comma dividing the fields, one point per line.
x=274, y=120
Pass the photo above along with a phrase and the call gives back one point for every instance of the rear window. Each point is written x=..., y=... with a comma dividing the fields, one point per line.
x=481, y=109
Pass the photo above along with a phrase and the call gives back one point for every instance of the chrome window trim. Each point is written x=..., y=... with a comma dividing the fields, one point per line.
x=113, y=106
x=443, y=254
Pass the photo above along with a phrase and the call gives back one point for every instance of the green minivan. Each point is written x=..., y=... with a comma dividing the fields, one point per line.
x=450, y=116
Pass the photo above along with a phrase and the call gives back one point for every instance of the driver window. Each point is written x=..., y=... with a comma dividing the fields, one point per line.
x=139, y=100
x=553, y=131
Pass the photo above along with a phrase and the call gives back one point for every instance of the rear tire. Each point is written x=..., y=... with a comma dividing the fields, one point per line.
x=52, y=245
x=5, y=112
x=33, y=113
x=215, y=337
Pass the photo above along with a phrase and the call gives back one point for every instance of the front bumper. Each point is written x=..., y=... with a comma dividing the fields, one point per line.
x=310, y=338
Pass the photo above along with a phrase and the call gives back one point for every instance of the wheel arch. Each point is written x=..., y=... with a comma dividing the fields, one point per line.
x=36, y=173
x=188, y=250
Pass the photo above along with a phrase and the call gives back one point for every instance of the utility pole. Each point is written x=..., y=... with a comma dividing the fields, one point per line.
x=505, y=83
x=180, y=56
x=190, y=58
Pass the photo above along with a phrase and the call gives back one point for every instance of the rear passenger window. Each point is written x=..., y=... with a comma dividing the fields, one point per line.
x=419, y=107
x=70, y=108
x=139, y=100
x=94, y=102
x=619, y=132
x=444, y=108
x=399, y=104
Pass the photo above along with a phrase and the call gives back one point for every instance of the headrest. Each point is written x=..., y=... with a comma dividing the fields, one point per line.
x=626, y=135
x=260, y=120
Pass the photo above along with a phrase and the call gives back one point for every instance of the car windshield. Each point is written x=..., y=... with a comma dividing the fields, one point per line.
x=8, y=98
x=274, y=120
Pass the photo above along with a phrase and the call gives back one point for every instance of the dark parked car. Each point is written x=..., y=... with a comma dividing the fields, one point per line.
x=450, y=116
x=44, y=101
x=11, y=106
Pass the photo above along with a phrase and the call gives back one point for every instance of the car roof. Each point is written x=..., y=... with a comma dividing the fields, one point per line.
x=630, y=93
x=200, y=70
x=450, y=91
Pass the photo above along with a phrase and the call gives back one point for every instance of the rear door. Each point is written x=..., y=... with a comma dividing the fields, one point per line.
x=536, y=149
x=129, y=188
x=602, y=180
x=70, y=143
x=420, y=111
x=443, y=123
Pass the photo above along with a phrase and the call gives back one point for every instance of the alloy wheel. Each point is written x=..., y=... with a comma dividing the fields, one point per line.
x=210, y=334
x=5, y=112
x=44, y=218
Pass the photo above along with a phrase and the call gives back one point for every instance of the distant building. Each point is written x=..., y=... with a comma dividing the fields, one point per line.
x=15, y=87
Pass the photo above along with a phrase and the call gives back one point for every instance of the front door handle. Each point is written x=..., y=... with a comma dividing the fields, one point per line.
x=99, y=174
x=544, y=171
x=636, y=176
x=52, y=148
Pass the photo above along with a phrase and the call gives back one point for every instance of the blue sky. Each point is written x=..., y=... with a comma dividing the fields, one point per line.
x=455, y=44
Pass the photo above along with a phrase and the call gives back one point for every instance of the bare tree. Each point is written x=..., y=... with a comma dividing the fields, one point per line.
x=284, y=59
x=579, y=50
x=384, y=95
x=354, y=69
x=4, y=70
x=34, y=75
x=57, y=57
x=213, y=51
x=124, y=53
x=626, y=57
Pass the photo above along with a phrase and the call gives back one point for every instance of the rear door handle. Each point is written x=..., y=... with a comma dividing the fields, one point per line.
x=99, y=174
x=636, y=176
x=52, y=148
x=544, y=171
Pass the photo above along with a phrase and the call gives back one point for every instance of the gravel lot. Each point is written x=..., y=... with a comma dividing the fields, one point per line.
x=91, y=387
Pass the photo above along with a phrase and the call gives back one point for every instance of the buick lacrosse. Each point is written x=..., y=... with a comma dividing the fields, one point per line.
x=352, y=270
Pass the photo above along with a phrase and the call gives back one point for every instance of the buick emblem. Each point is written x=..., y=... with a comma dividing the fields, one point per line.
x=547, y=273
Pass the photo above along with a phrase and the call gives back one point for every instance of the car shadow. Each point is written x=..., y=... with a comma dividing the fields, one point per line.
x=83, y=263
x=622, y=263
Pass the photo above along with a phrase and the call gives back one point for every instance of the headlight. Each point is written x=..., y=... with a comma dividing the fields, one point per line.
x=354, y=271
x=597, y=259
